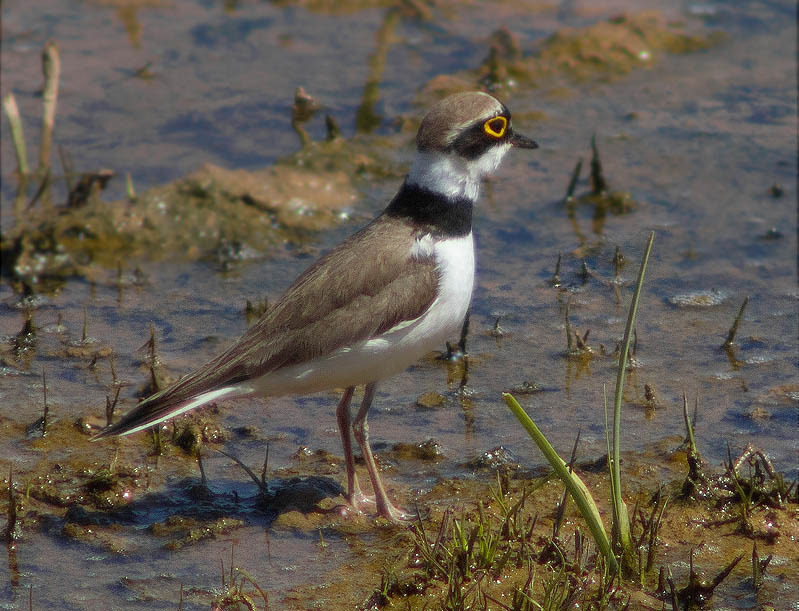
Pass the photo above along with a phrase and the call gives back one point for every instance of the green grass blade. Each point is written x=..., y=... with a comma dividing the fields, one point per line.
x=582, y=497
x=621, y=523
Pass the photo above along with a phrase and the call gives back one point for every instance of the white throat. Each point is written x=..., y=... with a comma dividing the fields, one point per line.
x=454, y=176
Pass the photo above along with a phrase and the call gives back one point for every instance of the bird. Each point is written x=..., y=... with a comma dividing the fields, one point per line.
x=375, y=304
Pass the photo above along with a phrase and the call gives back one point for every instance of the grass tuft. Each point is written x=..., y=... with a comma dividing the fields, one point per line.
x=621, y=547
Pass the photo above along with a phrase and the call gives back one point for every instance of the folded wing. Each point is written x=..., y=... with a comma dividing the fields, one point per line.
x=365, y=286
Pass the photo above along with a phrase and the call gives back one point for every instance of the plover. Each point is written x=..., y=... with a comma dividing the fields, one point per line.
x=394, y=291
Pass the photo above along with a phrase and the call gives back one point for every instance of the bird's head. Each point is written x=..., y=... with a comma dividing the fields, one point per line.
x=461, y=140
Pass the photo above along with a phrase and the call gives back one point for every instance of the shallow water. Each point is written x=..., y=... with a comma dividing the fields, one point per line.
x=697, y=141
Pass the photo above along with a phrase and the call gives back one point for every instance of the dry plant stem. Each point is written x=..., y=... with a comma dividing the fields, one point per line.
x=569, y=342
x=260, y=483
x=653, y=534
x=85, y=331
x=129, y=189
x=203, y=478
x=757, y=575
x=265, y=469
x=305, y=139
x=598, y=183
x=11, y=514
x=734, y=329
x=51, y=67
x=618, y=261
x=573, y=180
x=333, y=130
x=66, y=166
x=555, y=280
x=366, y=119
x=688, y=427
x=46, y=408
x=17, y=135
x=43, y=186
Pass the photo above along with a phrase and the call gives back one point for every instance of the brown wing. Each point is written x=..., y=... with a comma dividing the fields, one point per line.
x=365, y=286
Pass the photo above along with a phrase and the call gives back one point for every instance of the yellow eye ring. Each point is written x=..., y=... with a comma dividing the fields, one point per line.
x=496, y=127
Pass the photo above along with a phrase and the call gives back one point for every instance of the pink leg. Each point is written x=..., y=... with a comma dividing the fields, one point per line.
x=360, y=428
x=354, y=495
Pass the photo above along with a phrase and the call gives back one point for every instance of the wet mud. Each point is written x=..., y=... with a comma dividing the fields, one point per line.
x=191, y=179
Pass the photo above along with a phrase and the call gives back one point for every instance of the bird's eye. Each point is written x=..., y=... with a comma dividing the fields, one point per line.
x=496, y=127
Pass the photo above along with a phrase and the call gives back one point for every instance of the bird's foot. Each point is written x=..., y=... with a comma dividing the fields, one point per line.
x=397, y=515
x=364, y=503
x=357, y=499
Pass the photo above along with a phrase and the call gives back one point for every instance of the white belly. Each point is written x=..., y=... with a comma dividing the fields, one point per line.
x=393, y=351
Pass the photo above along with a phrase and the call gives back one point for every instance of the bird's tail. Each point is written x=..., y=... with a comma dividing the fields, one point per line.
x=162, y=406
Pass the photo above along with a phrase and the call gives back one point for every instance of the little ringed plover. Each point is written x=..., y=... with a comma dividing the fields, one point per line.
x=395, y=290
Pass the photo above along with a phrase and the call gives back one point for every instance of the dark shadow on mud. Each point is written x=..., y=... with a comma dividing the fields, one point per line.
x=189, y=510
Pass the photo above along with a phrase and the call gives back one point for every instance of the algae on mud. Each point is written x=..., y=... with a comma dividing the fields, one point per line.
x=604, y=51
x=484, y=545
x=480, y=544
x=217, y=214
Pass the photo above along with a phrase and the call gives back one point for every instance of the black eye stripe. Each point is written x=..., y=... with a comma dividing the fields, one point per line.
x=474, y=141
